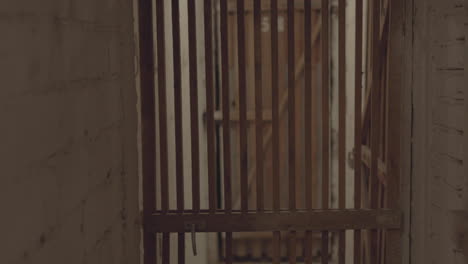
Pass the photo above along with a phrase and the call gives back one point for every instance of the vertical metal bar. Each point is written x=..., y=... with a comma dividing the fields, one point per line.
x=228, y=248
x=276, y=254
x=162, y=95
x=275, y=104
x=210, y=124
x=308, y=102
x=308, y=120
x=308, y=247
x=275, y=126
x=292, y=247
x=358, y=125
x=375, y=121
x=325, y=122
x=166, y=252
x=258, y=102
x=193, y=79
x=148, y=129
x=178, y=115
x=225, y=108
x=178, y=134
x=180, y=248
x=342, y=122
x=291, y=125
x=291, y=107
x=243, y=106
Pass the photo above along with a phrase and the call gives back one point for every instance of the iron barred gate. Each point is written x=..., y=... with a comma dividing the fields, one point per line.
x=261, y=118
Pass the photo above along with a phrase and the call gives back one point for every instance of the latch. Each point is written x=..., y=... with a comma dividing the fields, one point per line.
x=192, y=227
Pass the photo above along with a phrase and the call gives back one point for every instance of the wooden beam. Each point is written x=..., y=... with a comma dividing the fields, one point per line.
x=366, y=160
x=316, y=220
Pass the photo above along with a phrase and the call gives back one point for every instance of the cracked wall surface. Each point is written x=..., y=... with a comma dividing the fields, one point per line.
x=69, y=184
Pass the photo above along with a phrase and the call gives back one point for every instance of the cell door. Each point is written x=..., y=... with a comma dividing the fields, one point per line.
x=246, y=124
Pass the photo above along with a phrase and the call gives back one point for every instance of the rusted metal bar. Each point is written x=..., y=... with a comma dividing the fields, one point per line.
x=325, y=247
x=210, y=124
x=308, y=102
x=308, y=121
x=291, y=108
x=166, y=244
x=228, y=248
x=225, y=108
x=275, y=105
x=258, y=103
x=193, y=79
x=325, y=122
x=244, y=196
x=162, y=107
x=308, y=247
x=178, y=135
x=342, y=122
x=178, y=116
x=292, y=247
x=276, y=254
x=375, y=121
x=180, y=248
x=358, y=125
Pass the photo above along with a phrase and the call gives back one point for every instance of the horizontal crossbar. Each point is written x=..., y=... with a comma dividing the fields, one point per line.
x=316, y=220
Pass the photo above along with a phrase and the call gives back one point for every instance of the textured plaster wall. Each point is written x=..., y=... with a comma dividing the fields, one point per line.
x=439, y=185
x=68, y=158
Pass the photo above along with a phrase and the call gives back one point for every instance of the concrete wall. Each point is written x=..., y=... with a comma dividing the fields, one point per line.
x=439, y=177
x=68, y=184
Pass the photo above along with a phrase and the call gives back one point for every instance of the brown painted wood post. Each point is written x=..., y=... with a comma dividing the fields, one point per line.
x=396, y=82
x=148, y=123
